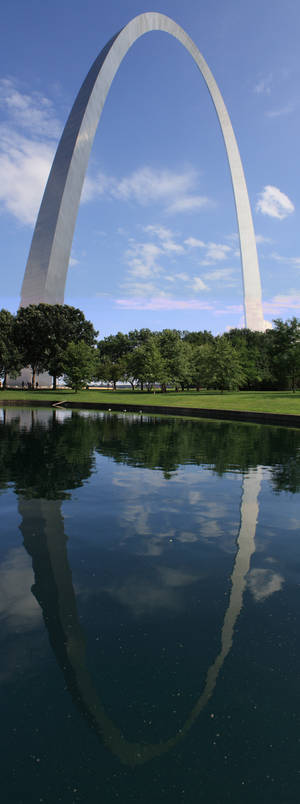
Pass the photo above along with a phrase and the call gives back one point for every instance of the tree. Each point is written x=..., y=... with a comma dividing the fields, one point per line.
x=68, y=324
x=112, y=352
x=110, y=370
x=79, y=364
x=254, y=353
x=43, y=331
x=32, y=335
x=148, y=365
x=286, y=351
x=170, y=347
x=202, y=363
x=10, y=357
x=228, y=373
x=218, y=365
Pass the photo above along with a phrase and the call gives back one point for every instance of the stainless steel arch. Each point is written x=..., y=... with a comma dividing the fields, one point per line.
x=47, y=265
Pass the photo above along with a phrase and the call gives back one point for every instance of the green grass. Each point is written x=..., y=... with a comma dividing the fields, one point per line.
x=262, y=401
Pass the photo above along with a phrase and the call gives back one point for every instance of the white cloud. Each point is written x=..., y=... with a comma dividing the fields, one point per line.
x=143, y=289
x=215, y=252
x=288, y=108
x=142, y=259
x=264, y=582
x=263, y=86
x=274, y=203
x=167, y=239
x=198, y=284
x=282, y=304
x=163, y=589
x=261, y=239
x=95, y=186
x=146, y=185
x=183, y=276
x=27, y=146
x=18, y=606
x=162, y=303
x=192, y=242
x=187, y=203
x=24, y=169
x=286, y=260
x=220, y=274
x=33, y=112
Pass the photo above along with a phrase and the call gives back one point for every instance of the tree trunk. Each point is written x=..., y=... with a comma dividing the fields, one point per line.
x=54, y=382
x=4, y=380
x=33, y=376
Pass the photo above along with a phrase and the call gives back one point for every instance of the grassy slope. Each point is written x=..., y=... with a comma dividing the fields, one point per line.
x=264, y=401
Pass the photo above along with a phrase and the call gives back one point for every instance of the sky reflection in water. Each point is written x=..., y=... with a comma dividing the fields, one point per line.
x=149, y=627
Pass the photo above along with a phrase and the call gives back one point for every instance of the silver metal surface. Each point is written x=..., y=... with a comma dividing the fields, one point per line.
x=46, y=270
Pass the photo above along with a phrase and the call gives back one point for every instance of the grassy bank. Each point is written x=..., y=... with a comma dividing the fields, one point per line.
x=282, y=402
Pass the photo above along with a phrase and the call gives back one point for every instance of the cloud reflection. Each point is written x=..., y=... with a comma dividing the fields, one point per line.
x=18, y=608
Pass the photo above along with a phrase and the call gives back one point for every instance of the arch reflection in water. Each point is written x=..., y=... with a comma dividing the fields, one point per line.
x=45, y=540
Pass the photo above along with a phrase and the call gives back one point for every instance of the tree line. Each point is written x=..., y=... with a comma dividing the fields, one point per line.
x=59, y=340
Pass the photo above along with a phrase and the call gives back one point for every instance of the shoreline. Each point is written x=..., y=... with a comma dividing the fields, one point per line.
x=279, y=419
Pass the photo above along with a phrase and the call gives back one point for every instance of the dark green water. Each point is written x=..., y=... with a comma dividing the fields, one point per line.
x=149, y=610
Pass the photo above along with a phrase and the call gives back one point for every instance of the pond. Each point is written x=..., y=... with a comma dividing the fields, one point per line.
x=149, y=609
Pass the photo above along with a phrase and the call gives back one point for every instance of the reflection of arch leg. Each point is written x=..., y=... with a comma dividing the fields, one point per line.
x=54, y=591
x=47, y=265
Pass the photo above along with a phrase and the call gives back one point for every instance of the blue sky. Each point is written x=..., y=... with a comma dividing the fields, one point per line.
x=156, y=240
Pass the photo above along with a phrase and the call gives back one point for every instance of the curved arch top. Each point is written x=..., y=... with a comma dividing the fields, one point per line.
x=47, y=265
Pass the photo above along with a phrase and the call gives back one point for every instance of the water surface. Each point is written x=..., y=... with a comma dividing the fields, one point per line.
x=149, y=602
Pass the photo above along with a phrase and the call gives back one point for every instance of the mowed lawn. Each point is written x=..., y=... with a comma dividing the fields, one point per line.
x=261, y=401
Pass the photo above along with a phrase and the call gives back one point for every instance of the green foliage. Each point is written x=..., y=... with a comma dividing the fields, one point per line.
x=286, y=352
x=227, y=370
x=68, y=324
x=32, y=336
x=79, y=364
x=42, y=333
x=45, y=462
x=10, y=356
x=149, y=363
x=39, y=336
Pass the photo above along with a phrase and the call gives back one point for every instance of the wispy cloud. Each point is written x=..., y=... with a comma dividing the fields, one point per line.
x=24, y=169
x=261, y=239
x=187, y=203
x=27, y=146
x=263, y=85
x=219, y=275
x=282, y=111
x=286, y=260
x=281, y=304
x=33, y=112
x=198, y=284
x=162, y=303
x=175, y=191
x=274, y=203
x=193, y=242
x=141, y=259
x=146, y=261
x=18, y=607
x=215, y=252
x=264, y=582
x=166, y=238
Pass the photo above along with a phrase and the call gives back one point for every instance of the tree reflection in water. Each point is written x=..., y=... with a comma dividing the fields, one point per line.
x=48, y=454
